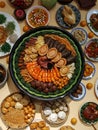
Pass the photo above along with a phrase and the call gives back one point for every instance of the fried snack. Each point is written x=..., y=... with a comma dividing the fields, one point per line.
x=66, y=128
x=46, y=128
x=39, y=125
x=34, y=125
x=69, y=16
x=3, y=35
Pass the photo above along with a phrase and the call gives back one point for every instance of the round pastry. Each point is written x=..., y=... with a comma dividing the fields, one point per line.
x=47, y=111
x=61, y=115
x=53, y=117
x=65, y=108
x=18, y=105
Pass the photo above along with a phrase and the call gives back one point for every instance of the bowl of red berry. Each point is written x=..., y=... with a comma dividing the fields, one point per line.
x=24, y=4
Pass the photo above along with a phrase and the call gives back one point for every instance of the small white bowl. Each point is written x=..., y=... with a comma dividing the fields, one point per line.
x=80, y=33
x=4, y=73
x=37, y=7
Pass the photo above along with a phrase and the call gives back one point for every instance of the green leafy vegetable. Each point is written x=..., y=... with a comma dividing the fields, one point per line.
x=6, y=47
x=93, y=27
x=2, y=19
x=10, y=27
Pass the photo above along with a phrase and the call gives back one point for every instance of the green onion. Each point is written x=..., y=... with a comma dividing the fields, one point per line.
x=2, y=19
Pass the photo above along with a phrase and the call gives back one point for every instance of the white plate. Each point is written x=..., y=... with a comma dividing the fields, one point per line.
x=9, y=18
x=37, y=7
x=93, y=11
x=84, y=33
x=96, y=88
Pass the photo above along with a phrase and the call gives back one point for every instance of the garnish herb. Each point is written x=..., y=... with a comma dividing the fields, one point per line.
x=10, y=27
x=2, y=19
x=6, y=47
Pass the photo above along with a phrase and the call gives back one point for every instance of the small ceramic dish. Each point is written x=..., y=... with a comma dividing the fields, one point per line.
x=3, y=75
x=37, y=16
x=89, y=70
x=88, y=113
x=91, y=49
x=80, y=34
x=79, y=93
x=60, y=19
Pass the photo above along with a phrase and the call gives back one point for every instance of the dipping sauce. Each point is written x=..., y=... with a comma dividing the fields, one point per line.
x=38, y=17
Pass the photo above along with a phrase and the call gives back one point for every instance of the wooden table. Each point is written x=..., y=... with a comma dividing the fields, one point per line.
x=73, y=105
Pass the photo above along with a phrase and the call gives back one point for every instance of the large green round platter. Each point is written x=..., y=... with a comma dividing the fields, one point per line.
x=26, y=87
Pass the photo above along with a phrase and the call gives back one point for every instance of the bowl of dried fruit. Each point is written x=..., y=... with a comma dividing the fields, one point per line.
x=3, y=75
x=46, y=63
